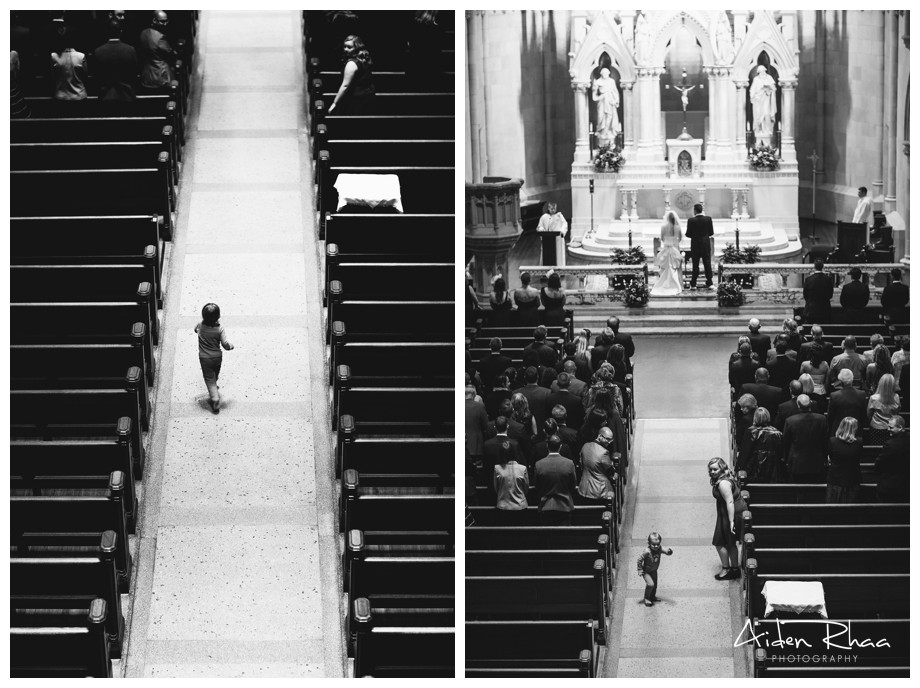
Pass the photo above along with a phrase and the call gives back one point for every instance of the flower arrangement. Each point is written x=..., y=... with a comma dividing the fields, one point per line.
x=634, y=255
x=748, y=255
x=730, y=294
x=609, y=159
x=636, y=294
x=763, y=158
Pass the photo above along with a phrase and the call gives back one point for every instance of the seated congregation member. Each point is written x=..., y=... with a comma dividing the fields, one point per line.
x=843, y=473
x=535, y=396
x=492, y=447
x=527, y=300
x=763, y=392
x=555, y=483
x=882, y=407
x=817, y=369
x=156, y=56
x=880, y=366
x=68, y=68
x=893, y=464
x=846, y=402
x=581, y=367
x=598, y=472
x=760, y=343
x=114, y=66
x=356, y=93
x=541, y=448
x=761, y=452
x=568, y=435
x=500, y=303
x=895, y=298
x=576, y=386
x=545, y=353
x=848, y=359
x=818, y=401
x=501, y=391
x=788, y=408
x=854, y=296
x=475, y=384
x=744, y=416
x=783, y=369
x=805, y=444
x=899, y=359
x=601, y=347
x=493, y=363
x=575, y=410
x=742, y=370
x=510, y=480
x=476, y=424
x=553, y=297
x=817, y=342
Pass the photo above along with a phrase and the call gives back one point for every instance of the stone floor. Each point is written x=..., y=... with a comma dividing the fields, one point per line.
x=236, y=571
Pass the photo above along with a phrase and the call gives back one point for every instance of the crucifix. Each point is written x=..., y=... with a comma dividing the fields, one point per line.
x=685, y=89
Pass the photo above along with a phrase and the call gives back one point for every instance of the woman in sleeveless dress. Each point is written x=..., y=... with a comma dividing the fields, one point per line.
x=553, y=297
x=527, y=300
x=500, y=302
x=356, y=94
x=669, y=259
x=729, y=524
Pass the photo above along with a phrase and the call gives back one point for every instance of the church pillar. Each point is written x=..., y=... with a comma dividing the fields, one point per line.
x=740, y=114
x=720, y=116
x=649, y=148
x=788, y=119
x=549, y=52
x=627, y=28
x=740, y=25
x=582, y=149
x=629, y=124
x=892, y=45
x=476, y=76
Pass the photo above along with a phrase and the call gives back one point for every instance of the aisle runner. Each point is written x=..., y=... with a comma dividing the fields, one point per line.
x=231, y=581
x=691, y=631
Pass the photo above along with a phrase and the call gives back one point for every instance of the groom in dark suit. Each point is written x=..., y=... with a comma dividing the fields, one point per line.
x=699, y=229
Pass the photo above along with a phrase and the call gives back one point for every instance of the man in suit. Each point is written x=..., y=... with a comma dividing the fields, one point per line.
x=788, y=408
x=114, y=66
x=581, y=369
x=555, y=483
x=805, y=444
x=575, y=411
x=516, y=430
x=854, y=296
x=893, y=465
x=766, y=394
x=156, y=55
x=491, y=448
x=623, y=339
x=568, y=435
x=760, y=343
x=817, y=291
x=576, y=386
x=817, y=341
x=477, y=423
x=742, y=370
x=699, y=229
x=895, y=298
x=536, y=396
x=541, y=449
x=543, y=351
x=848, y=359
x=599, y=352
x=783, y=369
x=846, y=401
x=493, y=364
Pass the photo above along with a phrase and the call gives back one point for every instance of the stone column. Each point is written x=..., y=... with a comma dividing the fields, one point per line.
x=549, y=54
x=740, y=26
x=649, y=102
x=719, y=146
x=476, y=76
x=624, y=203
x=667, y=198
x=744, y=204
x=788, y=119
x=892, y=45
x=629, y=125
x=701, y=195
x=582, y=148
x=740, y=118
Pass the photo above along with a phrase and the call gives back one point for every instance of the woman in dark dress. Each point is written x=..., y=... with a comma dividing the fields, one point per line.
x=761, y=450
x=729, y=524
x=553, y=297
x=356, y=94
x=500, y=301
x=843, y=473
x=527, y=300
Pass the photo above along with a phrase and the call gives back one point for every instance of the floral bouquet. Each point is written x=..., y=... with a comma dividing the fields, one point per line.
x=763, y=158
x=636, y=294
x=730, y=294
x=634, y=255
x=609, y=159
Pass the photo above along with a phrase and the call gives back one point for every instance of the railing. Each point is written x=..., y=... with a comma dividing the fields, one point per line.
x=596, y=289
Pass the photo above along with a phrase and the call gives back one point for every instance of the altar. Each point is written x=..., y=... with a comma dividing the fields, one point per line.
x=696, y=92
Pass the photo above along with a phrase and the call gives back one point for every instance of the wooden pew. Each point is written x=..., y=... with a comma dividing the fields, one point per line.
x=530, y=649
x=366, y=320
x=46, y=107
x=374, y=234
x=831, y=560
x=369, y=454
x=422, y=189
x=402, y=126
x=368, y=152
x=78, y=649
x=399, y=512
x=797, y=493
x=825, y=514
x=406, y=406
x=409, y=102
x=326, y=81
x=842, y=535
x=73, y=364
x=382, y=281
x=360, y=544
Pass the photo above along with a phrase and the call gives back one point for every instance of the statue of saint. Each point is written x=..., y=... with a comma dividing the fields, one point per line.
x=725, y=49
x=607, y=97
x=643, y=40
x=763, y=103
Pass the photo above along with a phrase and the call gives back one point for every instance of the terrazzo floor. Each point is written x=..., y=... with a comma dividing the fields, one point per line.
x=236, y=567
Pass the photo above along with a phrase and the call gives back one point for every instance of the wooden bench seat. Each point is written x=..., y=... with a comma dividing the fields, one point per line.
x=529, y=649
x=93, y=106
x=797, y=493
x=354, y=320
x=76, y=650
x=376, y=512
x=427, y=405
x=360, y=544
x=408, y=102
x=383, y=281
x=825, y=514
x=374, y=233
x=583, y=515
x=832, y=560
x=393, y=454
x=409, y=357
x=401, y=652
x=326, y=81
x=413, y=578
x=402, y=126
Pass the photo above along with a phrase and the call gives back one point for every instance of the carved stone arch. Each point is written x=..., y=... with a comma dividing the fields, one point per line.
x=765, y=35
x=698, y=28
x=603, y=36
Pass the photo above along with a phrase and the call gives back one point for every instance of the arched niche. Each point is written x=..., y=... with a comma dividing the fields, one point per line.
x=763, y=59
x=765, y=36
x=604, y=61
x=682, y=20
x=603, y=37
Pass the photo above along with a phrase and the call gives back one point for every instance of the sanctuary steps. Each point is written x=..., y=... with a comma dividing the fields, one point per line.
x=696, y=316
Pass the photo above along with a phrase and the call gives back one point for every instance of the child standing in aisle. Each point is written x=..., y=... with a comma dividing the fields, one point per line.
x=211, y=337
x=648, y=564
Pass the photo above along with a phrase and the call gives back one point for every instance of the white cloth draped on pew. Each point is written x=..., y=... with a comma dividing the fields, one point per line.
x=371, y=190
x=794, y=596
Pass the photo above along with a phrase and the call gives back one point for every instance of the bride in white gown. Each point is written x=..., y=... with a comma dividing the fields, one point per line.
x=669, y=259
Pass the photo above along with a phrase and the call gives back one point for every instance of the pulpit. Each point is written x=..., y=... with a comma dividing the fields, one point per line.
x=551, y=240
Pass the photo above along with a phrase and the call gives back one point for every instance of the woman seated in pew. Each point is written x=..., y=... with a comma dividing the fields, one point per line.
x=527, y=300
x=553, y=297
x=818, y=401
x=68, y=70
x=882, y=407
x=843, y=473
x=500, y=301
x=761, y=450
x=356, y=94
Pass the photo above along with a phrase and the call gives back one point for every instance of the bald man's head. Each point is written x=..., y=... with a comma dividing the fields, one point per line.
x=605, y=435
x=761, y=375
x=160, y=18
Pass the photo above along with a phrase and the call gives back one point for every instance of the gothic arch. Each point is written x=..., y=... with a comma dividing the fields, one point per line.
x=694, y=25
x=603, y=36
x=764, y=35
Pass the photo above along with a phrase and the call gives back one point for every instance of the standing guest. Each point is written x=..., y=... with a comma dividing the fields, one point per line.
x=356, y=93
x=515, y=429
x=788, y=408
x=648, y=564
x=578, y=368
x=582, y=356
x=545, y=354
x=817, y=368
x=598, y=471
x=818, y=401
x=848, y=359
x=854, y=296
x=157, y=57
x=880, y=366
x=762, y=450
x=500, y=302
x=699, y=229
x=843, y=472
x=742, y=370
x=791, y=330
x=572, y=404
x=520, y=412
x=115, y=66
x=765, y=394
x=730, y=506
x=555, y=483
x=875, y=341
x=501, y=391
x=625, y=340
x=893, y=465
x=69, y=68
x=553, y=221
x=783, y=369
x=817, y=342
x=18, y=107
x=553, y=297
x=882, y=407
x=760, y=343
x=541, y=449
x=471, y=302
x=510, y=480
x=863, y=211
x=735, y=355
x=744, y=417
x=846, y=402
x=211, y=337
x=817, y=291
x=527, y=300
x=899, y=359
x=616, y=356
x=895, y=298
x=576, y=386
x=568, y=435
x=535, y=396
x=492, y=447
x=805, y=444
x=494, y=363
x=602, y=381
x=601, y=347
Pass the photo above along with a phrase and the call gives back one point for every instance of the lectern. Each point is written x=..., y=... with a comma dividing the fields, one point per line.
x=851, y=237
x=550, y=238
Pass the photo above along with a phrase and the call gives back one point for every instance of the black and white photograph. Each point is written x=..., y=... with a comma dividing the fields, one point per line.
x=232, y=334
x=686, y=311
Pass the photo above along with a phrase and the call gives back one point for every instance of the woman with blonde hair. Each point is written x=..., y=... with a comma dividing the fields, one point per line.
x=522, y=414
x=729, y=509
x=818, y=401
x=882, y=407
x=843, y=474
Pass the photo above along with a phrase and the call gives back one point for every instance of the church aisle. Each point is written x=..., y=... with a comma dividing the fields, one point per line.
x=690, y=632
x=236, y=566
